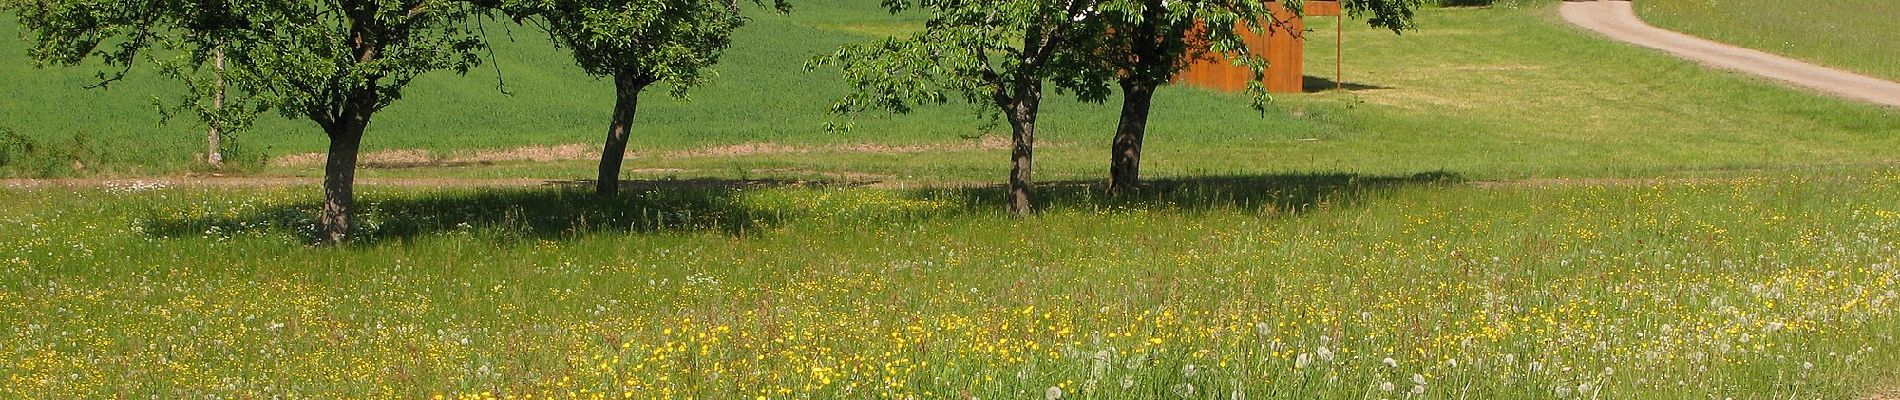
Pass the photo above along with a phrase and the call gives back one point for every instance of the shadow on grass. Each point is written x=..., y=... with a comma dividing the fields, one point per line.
x=1276, y=193
x=570, y=210
x=1315, y=84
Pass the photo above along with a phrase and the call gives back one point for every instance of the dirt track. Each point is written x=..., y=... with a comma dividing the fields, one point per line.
x=1617, y=20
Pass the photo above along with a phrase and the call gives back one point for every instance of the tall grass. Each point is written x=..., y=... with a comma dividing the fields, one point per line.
x=1302, y=286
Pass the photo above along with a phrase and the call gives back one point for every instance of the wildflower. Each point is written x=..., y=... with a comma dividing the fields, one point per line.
x=1418, y=379
x=1052, y=394
x=1185, y=390
x=1386, y=387
x=1325, y=354
x=1128, y=382
x=1301, y=361
x=1390, y=363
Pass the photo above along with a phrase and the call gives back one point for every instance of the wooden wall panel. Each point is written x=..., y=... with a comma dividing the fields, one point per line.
x=1283, y=46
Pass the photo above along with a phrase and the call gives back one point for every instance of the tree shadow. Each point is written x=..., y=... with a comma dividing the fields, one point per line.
x=568, y=210
x=1275, y=193
x=1315, y=84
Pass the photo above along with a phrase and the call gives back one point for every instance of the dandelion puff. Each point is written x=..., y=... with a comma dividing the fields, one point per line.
x=1585, y=388
x=1299, y=362
x=1386, y=387
x=1563, y=391
x=1237, y=395
x=1418, y=379
x=1807, y=365
x=1536, y=366
x=1185, y=390
x=1189, y=370
x=1128, y=382
x=1052, y=394
x=1325, y=354
x=1418, y=390
x=1390, y=363
x=1263, y=328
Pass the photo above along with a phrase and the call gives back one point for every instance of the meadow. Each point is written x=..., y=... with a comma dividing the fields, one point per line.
x=1856, y=35
x=1498, y=209
x=1501, y=92
x=1303, y=286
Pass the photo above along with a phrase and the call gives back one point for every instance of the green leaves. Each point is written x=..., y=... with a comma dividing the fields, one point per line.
x=648, y=41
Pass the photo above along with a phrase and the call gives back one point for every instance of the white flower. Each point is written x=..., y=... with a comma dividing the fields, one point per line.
x=1263, y=328
x=1300, y=361
x=1536, y=366
x=1128, y=382
x=1418, y=379
x=1052, y=394
x=1418, y=390
x=1325, y=354
x=1390, y=363
x=1386, y=387
x=1807, y=365
x=1185, y=390
x=1563, y=391
x=1585, y=388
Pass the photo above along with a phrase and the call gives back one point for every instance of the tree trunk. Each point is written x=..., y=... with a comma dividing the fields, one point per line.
x=339, y=181
x=626, y=103
x=214, y=152
x=1124, y=167
x=1022, y=120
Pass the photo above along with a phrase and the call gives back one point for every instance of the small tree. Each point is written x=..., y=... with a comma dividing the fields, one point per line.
x=333, y=62
x=637, y=43
x=992, y=53
x=1148, y=42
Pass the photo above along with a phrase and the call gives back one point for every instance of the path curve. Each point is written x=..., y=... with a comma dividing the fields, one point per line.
x=1617, y=19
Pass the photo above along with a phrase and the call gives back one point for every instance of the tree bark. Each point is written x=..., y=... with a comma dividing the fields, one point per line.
x=1022, y=119
x=214, y=152
x=626, y=103
x=339, y=180
x=1124, y=167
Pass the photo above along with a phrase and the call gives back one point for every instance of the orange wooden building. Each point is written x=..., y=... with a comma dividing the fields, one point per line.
x=1283, y=44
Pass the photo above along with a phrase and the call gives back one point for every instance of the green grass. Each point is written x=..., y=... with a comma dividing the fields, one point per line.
x=1856, y=35
x=1756, y=288
x=1366, y=223
x=1488, y=93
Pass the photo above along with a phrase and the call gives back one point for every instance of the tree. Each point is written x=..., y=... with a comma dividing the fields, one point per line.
x=333, y=62
x=637, y=43
x=989, y=53
x=1148, y=42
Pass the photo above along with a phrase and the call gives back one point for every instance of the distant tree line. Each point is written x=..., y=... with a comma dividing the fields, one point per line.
x=337, y=63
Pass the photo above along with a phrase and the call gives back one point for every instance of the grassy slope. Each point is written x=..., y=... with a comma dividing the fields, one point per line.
x=1485, y=93
x=1857, y=35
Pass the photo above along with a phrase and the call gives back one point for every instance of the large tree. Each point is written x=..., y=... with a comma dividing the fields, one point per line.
x=637, y=43
x=1146, y=43
x=333, y=62
x=992, y=53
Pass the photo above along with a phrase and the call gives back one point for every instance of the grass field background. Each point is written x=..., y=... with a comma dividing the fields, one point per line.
x=1856, y=35
x=1729, y=238
x=1302, y=286
x=1497, y=92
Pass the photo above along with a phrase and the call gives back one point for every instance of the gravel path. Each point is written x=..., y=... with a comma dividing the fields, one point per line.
x=1617, y=20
